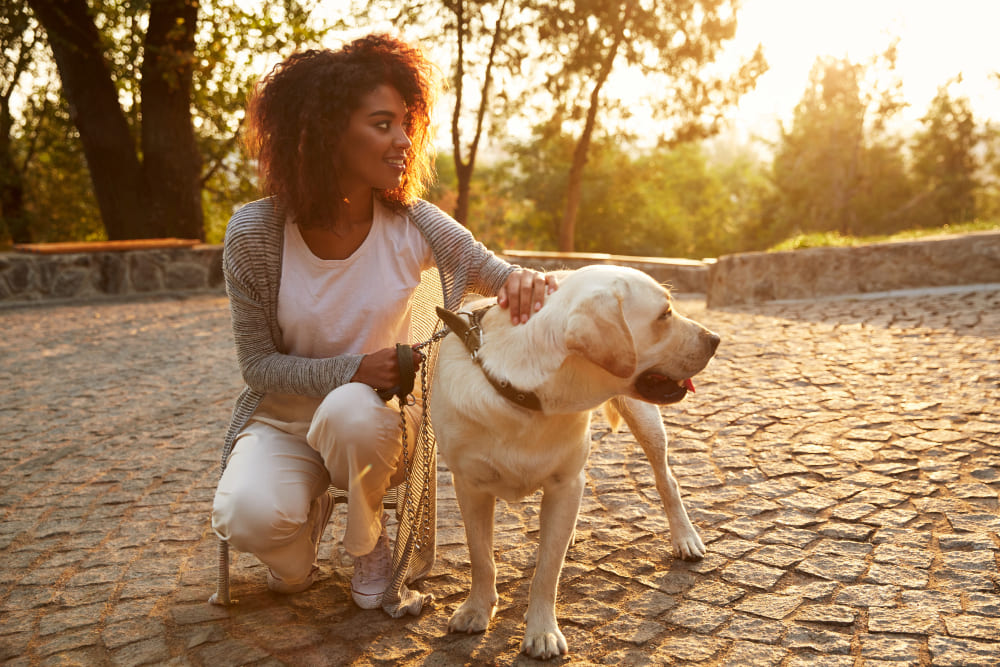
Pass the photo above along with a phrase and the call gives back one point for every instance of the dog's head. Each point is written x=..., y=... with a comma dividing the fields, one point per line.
x=622, y=321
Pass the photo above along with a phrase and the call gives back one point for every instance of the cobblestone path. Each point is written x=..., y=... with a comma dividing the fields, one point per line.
x=841, y=459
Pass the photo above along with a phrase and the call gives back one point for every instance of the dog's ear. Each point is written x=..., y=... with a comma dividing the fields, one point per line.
x=598, y=332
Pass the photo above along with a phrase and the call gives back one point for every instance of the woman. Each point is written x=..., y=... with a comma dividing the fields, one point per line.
x=320, y=277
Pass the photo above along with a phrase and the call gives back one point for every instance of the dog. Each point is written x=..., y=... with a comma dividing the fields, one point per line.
x=511, y=407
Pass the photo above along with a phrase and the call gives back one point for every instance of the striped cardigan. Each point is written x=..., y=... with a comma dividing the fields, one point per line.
x=251, y=264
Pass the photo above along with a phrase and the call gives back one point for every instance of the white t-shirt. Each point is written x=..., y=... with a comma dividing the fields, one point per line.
x=360, y=304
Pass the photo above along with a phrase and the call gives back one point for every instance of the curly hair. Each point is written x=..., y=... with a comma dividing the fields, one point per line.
x=298, y=112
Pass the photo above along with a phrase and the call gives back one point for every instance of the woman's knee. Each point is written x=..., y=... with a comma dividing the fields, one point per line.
x=356, y=435
x=350, y=415
x=254, y=519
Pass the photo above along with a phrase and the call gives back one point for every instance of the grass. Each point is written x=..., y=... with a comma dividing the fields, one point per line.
x=833, y=239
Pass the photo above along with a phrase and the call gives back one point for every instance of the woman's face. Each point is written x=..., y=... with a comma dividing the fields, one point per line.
x=373, y=147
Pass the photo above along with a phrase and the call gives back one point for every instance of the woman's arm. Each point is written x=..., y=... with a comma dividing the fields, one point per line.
x=476, y=269
x=263, y=366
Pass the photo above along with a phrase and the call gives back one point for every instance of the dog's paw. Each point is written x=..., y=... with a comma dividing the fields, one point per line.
x=545, y=643
x=470, y=618
x=688, y=546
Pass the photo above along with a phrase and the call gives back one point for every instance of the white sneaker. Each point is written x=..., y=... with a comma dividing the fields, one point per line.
x=372, y=573
x=322, y=518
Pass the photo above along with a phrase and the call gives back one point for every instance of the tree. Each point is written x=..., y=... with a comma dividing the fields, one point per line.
x=157, y=194
x=671, y=44
x=46, y=193
x=945, y=163
x=837, y=168
x=464, y=166
x=18, y=42
x=156, y=89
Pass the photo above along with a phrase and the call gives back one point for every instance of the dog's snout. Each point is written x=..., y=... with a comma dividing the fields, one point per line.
x=712, y=340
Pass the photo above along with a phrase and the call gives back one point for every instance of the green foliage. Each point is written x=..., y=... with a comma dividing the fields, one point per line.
x=60, y=204
x=945, y=163
x=835, y=169
x=672, y=44
x=835, y=239
x=671, y=202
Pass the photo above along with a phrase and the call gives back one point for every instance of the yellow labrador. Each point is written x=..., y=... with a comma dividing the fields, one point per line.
x=514, y=416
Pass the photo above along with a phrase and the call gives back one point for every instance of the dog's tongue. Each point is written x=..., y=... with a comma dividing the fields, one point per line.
x=689, y=385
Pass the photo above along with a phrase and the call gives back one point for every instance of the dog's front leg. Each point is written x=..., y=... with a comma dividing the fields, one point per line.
x=644, y=421
x=560, y=505
x=477, y=513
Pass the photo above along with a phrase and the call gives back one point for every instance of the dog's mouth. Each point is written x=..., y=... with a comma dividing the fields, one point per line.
x=660, y=389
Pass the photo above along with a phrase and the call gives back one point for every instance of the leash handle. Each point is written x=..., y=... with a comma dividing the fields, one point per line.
x=407, y=374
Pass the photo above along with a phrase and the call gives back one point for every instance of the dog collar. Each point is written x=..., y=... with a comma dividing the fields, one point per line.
x=471, y=334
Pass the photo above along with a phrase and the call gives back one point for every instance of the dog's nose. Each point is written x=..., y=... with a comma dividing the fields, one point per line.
x=712, y=340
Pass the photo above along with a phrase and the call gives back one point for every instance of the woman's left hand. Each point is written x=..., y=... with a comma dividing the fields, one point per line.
x=524, y=293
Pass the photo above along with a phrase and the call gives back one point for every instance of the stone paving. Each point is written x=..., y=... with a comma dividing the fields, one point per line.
x=841, y=459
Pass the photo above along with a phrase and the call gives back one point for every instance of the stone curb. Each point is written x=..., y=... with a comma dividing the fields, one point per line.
x=757, y=277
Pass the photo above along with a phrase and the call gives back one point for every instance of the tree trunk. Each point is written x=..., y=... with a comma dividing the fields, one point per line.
x=11, y=181
x=12, y=213
x=12, y=198
x=464, y=168
x=567, y=227
x=171, y=161
x=463, y=172
x=93, y=101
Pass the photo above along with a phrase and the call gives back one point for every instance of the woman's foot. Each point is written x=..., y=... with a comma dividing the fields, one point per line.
x=372, y=573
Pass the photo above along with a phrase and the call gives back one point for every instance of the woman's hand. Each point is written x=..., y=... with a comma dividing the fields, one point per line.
x=380, y=370
x=524, y=293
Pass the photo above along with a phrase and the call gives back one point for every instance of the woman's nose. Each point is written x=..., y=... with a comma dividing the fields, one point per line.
x=402, y=140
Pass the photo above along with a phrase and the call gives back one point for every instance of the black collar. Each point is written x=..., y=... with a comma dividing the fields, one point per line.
x=471, y=335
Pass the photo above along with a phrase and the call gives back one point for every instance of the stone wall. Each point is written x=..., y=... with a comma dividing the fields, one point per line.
x=79, y=276
x=755, y=277
x=745, y=278
x=29, y=278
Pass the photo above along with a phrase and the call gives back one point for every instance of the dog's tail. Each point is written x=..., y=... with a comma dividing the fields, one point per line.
x=613, y=416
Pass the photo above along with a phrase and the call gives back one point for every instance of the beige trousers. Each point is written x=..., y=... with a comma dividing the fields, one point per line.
x=267, y=499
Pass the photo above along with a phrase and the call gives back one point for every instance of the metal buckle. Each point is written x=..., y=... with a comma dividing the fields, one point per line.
x=473, y=329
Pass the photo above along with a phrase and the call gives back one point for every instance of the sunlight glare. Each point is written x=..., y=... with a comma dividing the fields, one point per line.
x=937, y=42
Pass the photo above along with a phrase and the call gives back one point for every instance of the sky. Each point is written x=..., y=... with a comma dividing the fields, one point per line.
x=938, y=41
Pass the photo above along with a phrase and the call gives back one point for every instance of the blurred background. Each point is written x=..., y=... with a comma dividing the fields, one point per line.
x=690, y=129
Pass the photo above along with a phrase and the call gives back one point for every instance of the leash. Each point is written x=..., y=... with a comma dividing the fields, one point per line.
x=407, y=374
x=416, y=538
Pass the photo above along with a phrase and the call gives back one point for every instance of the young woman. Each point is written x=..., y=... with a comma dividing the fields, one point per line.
x=320, y=277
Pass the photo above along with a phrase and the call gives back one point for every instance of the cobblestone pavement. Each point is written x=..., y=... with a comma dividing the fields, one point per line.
x=841, y=460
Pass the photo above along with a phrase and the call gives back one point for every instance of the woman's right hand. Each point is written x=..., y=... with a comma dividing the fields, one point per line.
x=380, y=370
